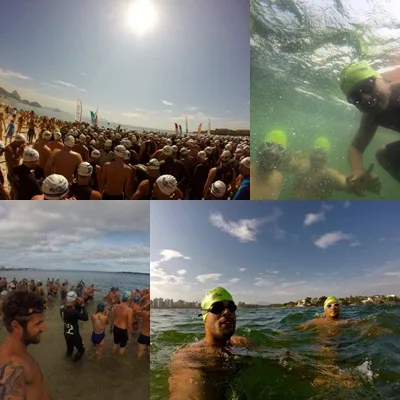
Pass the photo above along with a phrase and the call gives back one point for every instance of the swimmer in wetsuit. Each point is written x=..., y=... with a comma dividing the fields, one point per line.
x=99, y=321
x=71, y=313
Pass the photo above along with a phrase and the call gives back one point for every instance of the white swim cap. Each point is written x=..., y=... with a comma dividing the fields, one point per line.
x=82, y=138
x=245, y=162
x=168, y=142
x=95, y=154
x=127, y=143
x=127, y=156
x=69, y=141
x=71, y=296
x=92, y=143
x=218, y=188
x=174, y=148
x=120, y=151
x=167, y=150
x=54, y=187
x=117, y=136
x=57, y=135
x=184, y=151
x=4, y=293
x=46, y=135
x=167, y=184
x=30, y=155
x=19, y=137
x=202, y=155
x=208, y=150
x=226, y=155
x=239, y=151
x=85, y=169
x=108, y=143
x=153, y=164
x=228, y=147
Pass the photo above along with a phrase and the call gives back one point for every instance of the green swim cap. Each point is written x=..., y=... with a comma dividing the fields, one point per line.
x=214, y=295
x=354, y=73
x=323, y=143
x=330, y=299
x=276, y=136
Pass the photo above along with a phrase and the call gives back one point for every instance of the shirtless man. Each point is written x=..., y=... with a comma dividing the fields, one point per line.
x=136, y=311
x=166, y=188
x=65, y=161
x=21, y=377
x=99, y=321
x=81, y=148
x=195, y=367
x=121, y=324
x=57, y=144
x=116, y=177
x=111, y=297
x=144, y=337
x=44, y=153
x=14, y=151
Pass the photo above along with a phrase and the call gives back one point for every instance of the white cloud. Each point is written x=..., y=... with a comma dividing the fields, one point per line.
x=313, y=218
x=181, y=272
x=272, y=272
x=82, y=73
x=81, y=90
x=329, y=239
x=262, y=281
x=192, y=108
x=168, y=255
x=6, y=74
x=167, y=103
x=382, y=239
x=242, y=269
x=208, y=277
x=234, y=280
x=346, y=204
x=49, y=84
x=66, y=84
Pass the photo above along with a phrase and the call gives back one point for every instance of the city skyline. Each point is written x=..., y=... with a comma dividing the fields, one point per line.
x=76, y=236
x=274, y=253
x=182, y=62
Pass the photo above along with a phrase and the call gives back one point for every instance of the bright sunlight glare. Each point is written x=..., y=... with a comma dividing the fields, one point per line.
x=142, y=16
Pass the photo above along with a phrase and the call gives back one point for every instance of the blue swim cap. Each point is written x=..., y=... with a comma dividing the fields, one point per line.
x=125, y=295
x=100, y=307
x=136, y=299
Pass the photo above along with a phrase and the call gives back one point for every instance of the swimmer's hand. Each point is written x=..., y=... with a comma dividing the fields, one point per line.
x=359, y=181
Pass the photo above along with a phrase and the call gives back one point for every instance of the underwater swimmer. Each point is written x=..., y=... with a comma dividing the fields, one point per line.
x=203, y=369
x=379, y=101
x=267, y=173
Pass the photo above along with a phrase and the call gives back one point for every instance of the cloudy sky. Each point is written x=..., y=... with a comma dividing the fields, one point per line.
x=193, y=61
x=274, y=251
x=73, y=235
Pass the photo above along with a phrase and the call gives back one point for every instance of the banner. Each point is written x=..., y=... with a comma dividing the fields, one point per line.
x=180, y=130
x=78, y=115
x=176, y=128
x=199, y=128
x=92, y=117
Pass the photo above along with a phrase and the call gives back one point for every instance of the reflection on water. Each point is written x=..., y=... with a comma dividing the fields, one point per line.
x=298, y=49
x=338, y=363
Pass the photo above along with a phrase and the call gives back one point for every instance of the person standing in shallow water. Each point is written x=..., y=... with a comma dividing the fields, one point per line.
x=20, y=375
x=200, y=370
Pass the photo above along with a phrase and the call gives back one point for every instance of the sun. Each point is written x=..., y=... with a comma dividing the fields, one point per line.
x=142, y=16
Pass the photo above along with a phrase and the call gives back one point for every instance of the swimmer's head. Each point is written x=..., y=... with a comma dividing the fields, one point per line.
x=69, y=141
x=355, y=73
x=85, y=169
x=332, y=307
x=46, y=135
x=55, y=187
x=244, y=166
x=100, y=307
x=120, y=151
x=136, y=299
x=71, y=297
x=225, y=156
x=165, y=185
x=19, y=140
x=95, y=154
x=323, y=143
x=219, y=313
x=277, y=137
x=126, y=295
x=218, y=189
x=30, y=157
x=153, y=165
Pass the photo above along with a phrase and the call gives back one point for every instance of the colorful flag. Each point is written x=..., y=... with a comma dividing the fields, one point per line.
x=96, y=118
x=176, y=128
x=180, y=129
x=199, y=128
x=92, y=117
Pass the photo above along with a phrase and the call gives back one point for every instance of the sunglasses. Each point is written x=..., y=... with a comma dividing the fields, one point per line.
x=364, y=87
x=336, y=305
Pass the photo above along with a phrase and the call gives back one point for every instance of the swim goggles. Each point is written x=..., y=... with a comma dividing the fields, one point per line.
x=366, y=86
x=336, y=305
x=275, y=146
x=31, y=311
x=219, y=307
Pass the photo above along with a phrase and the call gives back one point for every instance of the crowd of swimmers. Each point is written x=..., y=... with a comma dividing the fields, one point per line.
x=58, y=160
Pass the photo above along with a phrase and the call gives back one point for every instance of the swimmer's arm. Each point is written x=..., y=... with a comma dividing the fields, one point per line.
x=49, y=168
x=241, y=341
x=130, y=325
x=178, y=194
x=103, y=177
x=111, y=319
x=12, y=382
x=339, y=180
x=83, y=314
x=128, y=184
x=142, y=190
x=362, y=139
x=306, y=325
x=210, y=178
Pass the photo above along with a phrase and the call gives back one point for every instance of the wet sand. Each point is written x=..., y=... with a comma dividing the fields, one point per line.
x=112, y=377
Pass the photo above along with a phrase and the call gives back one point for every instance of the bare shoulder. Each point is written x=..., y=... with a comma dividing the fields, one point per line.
x=13, y=379
x=240, y=341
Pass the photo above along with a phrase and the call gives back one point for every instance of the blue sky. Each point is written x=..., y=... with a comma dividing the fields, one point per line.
x=193, y=61
x=274, y=251
x=75, y=236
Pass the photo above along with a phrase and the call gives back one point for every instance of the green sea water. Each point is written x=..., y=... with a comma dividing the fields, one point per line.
x=287, y=364
x=298, y=49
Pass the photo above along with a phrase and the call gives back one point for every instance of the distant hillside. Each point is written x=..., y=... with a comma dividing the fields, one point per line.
x=14, y=95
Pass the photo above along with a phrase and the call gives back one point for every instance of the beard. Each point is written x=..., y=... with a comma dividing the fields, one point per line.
x=30, y=339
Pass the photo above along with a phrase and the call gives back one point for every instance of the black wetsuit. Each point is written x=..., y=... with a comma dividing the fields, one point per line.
x=149, y=150
x=71, y=315
x=225, y=173
x=198, y=181
x=80, y=192
x=93, y=183
x=28, y=186
x=177, y=169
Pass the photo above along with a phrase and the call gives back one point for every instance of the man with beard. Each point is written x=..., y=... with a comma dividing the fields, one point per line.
x=20, y=375
x=71, y=313
x=194, y=367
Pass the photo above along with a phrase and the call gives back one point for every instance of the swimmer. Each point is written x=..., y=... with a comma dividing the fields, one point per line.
x=71, y=313
x=21, y=376
x=136, y=311
x=99, y=321
x=80, y=189
x=378, y=100
x=10, y=131
x=243, y=186
x=44, y=153
x=81, y=149
x=55, y=187
x=166, y=188
x=146, y=177
x=191, y=364
x=121, y=323
x=57, y=143
x=144, y=337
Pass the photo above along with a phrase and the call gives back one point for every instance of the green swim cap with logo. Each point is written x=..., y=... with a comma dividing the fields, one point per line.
x=213, y=296
x=354, y=73
x=323, y=143
x=276, y=136
x=330, y=299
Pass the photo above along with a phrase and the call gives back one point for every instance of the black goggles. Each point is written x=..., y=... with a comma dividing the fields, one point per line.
x=364, y=87
x=31, y=311
x=219, y=307
x=275, y=146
